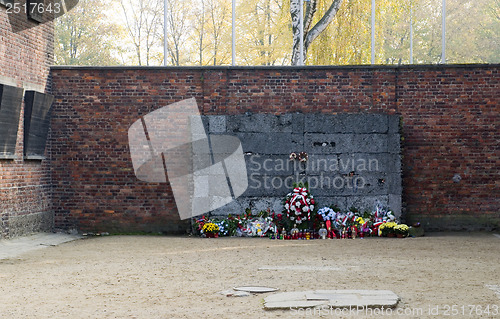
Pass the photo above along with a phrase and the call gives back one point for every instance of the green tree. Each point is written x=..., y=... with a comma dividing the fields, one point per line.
x=198, y=38
x=178, y=30
x=336, y=32
x=142, y=21
x=84, y=36
x=219, y=34
x=347, y=39
x=473, y=31
x=263, y=33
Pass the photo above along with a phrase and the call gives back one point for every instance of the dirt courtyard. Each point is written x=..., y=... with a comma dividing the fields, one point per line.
x=180, y=277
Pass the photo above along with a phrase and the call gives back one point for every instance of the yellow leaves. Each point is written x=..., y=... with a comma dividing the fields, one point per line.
x=199, y=33
x=348, y=39
x=264, y=37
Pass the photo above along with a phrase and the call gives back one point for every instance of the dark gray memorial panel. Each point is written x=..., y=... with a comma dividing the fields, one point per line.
x=354, y=159
x=11, y=99
x=36, y=123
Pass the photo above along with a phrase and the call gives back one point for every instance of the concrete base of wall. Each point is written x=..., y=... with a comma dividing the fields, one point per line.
x=4, y=225
x=160, y=226
x=455, y=222
x=32, y=223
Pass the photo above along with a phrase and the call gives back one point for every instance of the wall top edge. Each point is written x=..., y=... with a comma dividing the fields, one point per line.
x=282, y=68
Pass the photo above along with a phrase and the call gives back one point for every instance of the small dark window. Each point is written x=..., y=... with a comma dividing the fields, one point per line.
x=11, y=99
x=37, y=110
x=35, y=9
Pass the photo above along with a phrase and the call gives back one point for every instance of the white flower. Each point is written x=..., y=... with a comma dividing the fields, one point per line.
x=287, y=206
x=292, y=218
x=311, y=207
x=305, y=209
x=297, y=203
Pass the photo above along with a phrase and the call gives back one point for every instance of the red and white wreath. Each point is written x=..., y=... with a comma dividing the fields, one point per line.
x=299, y=205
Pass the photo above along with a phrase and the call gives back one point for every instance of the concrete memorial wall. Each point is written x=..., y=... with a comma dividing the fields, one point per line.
x=353, y=160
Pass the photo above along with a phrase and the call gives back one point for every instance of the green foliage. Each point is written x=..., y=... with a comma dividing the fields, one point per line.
x=85, y=36
x=199, y=33
x=302, y=185
x=263, y=32
x=232, y=224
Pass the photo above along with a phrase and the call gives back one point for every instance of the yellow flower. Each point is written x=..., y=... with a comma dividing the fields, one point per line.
x=389, y=225
x=210, y=228
x=402, y=228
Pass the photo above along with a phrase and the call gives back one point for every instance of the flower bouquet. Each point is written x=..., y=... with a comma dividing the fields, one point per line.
x=387, y=229
x=200, y=222
x=299, y=204
x=362, y=226
x=279, y=221
x=401, y=230
x=329, y=216
x=327, y=213
x=210, y=230
x=258, y=227
x=381, y=216
x=223, y=227
x=233, y=224
x=255, y=225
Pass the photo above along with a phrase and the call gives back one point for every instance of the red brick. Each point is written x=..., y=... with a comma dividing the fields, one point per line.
x=446, y=131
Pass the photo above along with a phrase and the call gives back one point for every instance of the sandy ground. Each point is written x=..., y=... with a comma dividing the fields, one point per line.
x=174, y=277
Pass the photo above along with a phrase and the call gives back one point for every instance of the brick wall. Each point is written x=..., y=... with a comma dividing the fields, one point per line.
x=25, y=57
x=450, y=126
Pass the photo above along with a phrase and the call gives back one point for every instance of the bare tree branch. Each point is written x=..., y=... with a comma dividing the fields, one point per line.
x=322, y=23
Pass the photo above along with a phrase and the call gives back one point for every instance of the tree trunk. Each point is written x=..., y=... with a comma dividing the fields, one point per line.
x=310, y=34
x=295, y=13
x=202, y=31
